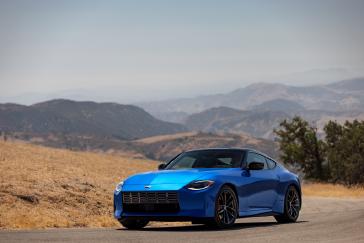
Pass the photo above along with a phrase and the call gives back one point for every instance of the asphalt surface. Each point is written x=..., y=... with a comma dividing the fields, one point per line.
x=321, y=220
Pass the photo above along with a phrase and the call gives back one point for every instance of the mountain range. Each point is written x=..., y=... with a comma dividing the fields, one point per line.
x=335, y=97
x=112, y=120
x=230, y=119
x=110, y=127
x=259, y=108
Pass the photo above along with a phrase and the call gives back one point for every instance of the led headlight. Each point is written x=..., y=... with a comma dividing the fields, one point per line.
x=119, y=187
x=199, y=185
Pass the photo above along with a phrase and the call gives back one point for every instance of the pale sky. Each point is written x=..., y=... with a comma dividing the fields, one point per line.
x=142, y=50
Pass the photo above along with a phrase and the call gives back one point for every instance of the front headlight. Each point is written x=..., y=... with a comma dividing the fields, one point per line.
x=199, y=185
x=119, y=187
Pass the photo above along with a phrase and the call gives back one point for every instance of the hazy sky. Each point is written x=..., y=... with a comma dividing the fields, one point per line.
x=157, y=49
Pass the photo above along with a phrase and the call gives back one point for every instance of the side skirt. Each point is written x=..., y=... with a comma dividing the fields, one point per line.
x=257, y=213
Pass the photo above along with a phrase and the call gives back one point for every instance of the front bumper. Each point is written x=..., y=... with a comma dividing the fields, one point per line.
x=192, y=204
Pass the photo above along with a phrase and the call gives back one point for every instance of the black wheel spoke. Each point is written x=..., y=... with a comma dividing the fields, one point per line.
x=293, y=203
x=230, y=209
x=227, y=207
x=231, y=214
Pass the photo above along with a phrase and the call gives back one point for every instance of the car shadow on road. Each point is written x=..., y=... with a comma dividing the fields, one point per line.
x=196, y=228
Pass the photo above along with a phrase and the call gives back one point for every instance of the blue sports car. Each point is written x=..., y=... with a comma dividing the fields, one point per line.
x=209, y=186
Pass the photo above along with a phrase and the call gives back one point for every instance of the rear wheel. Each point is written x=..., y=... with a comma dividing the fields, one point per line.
x=226, y=208
x=292, y=206
x=133, y=223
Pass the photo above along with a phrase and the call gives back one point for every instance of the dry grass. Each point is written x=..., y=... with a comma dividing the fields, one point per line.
x=68, y=189
x=331, y=190
x=167, y=137
x=74, y=189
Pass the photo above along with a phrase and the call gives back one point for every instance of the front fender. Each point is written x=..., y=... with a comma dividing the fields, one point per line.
x=286, y=180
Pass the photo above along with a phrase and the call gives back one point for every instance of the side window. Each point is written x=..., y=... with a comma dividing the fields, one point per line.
x=185, y=162
x=253, y=157
x=271, y=163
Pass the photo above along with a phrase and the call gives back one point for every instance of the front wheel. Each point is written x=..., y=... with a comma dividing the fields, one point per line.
x=292, y=206
x=226, y=208
x=133, y=223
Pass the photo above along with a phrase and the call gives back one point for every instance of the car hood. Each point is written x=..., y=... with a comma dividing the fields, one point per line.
x=181, y=177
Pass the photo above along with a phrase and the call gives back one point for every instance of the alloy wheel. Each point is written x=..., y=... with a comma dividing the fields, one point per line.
x=293, y=203
x=226, y=207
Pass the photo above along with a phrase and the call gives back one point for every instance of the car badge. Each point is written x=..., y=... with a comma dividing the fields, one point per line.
x=147, y=187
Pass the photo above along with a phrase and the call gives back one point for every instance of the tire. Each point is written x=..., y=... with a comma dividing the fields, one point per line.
x=133, y=223
x=292, y=206
x=226, y=208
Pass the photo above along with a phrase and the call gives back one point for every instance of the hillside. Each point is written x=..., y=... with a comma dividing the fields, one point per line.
x=167, y=146
x=66, y=117
x=279, y=105
x=261, y=122
x=352, y=85
x=43, y=187
x=50, y=188
x=341, y=96
x=224, y=119
x=161, y=147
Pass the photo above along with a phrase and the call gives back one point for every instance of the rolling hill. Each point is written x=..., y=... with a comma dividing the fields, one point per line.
x=161, y=147
x=256, y=123
x=166, y=147
x=262, y=121
x=114, y=128
x=340, y=96
x=279, y=105
x=66, y=117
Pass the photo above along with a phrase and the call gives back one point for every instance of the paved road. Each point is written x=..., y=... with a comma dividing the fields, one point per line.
x=321, y=220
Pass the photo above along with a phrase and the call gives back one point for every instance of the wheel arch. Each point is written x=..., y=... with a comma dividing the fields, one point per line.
x=233, y=187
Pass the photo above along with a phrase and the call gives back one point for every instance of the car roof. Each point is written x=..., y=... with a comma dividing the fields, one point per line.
x=233, y=149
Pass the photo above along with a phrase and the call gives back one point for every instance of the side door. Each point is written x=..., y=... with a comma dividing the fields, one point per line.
x=263, y=184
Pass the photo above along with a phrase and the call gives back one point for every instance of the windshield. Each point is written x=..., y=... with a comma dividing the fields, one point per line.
x=207, y=159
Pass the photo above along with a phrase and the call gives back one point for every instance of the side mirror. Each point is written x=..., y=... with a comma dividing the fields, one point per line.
x=162, y=166
x=256, y=166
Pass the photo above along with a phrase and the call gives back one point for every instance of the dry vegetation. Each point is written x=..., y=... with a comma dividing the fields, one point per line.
x=44, y=187
x=331, y=190
x=163, y=138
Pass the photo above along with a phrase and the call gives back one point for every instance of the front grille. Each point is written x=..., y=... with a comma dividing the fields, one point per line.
x=150, y=197
x=150, y=202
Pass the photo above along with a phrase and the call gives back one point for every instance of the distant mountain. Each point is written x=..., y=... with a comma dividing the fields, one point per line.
x=66, y=117
x=341, y=96
x=351, y=85
x=175, y=117
x=279, y=105
x=261, y=121
x=229, y=120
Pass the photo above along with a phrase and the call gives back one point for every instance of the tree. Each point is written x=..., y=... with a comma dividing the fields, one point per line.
x=339, y=158
x=345, y=151
x=333, y=139
x=299, y=144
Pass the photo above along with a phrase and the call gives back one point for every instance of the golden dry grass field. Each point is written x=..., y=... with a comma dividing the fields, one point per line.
x=45, y=187
x=70, y=189
x=331, y=190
